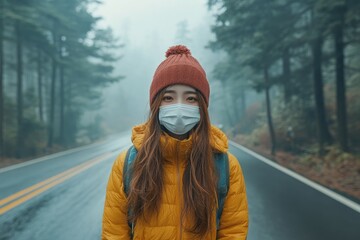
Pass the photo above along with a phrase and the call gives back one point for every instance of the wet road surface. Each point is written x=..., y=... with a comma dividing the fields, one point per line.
x=70, y=204
x=283, y=208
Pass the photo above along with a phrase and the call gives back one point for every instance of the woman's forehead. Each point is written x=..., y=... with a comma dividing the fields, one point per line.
x=180, y=87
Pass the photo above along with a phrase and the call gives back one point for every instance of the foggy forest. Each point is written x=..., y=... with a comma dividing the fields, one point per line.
x=284, y=78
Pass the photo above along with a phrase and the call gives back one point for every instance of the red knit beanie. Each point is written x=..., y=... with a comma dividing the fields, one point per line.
x=180, y=67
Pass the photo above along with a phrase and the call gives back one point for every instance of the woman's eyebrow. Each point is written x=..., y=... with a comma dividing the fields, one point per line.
x=190, y=92
x=170, y=91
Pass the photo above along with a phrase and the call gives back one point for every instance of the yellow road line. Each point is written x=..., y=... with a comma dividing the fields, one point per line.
x=40, y=184
x=47, y=184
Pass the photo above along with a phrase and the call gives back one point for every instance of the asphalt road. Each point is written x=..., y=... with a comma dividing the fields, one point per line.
x=283, y=208
x=63, y=197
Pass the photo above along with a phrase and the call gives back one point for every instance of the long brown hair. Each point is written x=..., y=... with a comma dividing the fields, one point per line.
x=199, y=180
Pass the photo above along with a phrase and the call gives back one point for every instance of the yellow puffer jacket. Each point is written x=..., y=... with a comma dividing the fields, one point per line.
x=167, y=225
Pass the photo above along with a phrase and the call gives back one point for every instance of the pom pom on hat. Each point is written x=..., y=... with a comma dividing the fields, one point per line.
x=178, y=49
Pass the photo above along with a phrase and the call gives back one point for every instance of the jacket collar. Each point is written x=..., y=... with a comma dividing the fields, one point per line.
x=174, y=148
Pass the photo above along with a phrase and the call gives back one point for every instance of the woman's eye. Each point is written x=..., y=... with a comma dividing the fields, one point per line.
x=192, y=99
x=167, y=98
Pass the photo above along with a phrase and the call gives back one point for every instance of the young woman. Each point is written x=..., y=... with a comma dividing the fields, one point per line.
x=173, y=191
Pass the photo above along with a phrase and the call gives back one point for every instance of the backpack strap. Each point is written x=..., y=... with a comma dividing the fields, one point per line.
x=127, y=172
x=127, y=175
x=222, y=167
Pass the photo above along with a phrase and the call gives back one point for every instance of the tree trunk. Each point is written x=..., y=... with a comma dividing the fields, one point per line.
x=268, y=112
x=40, y=85
x=52, y=102
x=235, y=105
x=62, y=103
x=67, y=127
x=243, y=102
x=52, y=87
x=341, y=112
x=229, y=105
x=62, y=91
x=286, y=75
x=19, y=72
x=2, y=149
x=322, y=126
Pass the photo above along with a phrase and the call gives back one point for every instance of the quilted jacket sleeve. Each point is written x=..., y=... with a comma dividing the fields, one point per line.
x=114, y=223
x=234, y=219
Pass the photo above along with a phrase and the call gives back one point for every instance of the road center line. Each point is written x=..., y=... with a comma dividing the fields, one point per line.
x=40, y=184
x=32, y=191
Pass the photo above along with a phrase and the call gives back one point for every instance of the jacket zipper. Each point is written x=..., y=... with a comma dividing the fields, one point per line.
x=179, y=190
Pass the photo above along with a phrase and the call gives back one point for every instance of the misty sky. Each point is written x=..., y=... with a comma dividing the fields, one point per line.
x=148, y=28
x=142, y=20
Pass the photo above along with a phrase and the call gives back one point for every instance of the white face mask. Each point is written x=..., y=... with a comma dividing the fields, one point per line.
x=179, y=118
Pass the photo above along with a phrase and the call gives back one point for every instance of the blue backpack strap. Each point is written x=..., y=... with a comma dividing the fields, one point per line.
x=127, y=174
x=222, y=168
